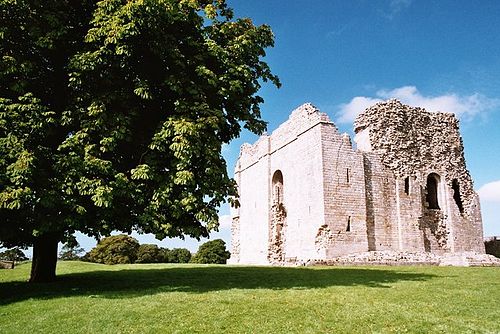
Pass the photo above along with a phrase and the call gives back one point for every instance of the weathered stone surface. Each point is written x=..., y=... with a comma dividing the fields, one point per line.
x=306, y=195
x=393, y=258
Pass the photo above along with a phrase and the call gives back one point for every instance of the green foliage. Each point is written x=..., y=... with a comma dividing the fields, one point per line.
x=148, y=253
x=14, y=254
x=212, y=252
x=113, y=114
x=71, y=252
x=493, y=247
x=176, y=255
x=114, y=250
x=37, y=39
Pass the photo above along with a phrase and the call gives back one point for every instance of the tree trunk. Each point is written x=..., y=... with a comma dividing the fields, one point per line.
x=43, y=267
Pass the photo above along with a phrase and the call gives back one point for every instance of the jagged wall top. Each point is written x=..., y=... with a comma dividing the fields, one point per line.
x=411, y=140
x=392, y=111
x=300, y=120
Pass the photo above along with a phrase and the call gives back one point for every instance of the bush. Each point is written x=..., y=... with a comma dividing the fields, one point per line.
x=149, y=253
x=181, y=255
x=176, y=255
x=13, y=254
x=212, y=252
x=114, y=250
x=492, y=246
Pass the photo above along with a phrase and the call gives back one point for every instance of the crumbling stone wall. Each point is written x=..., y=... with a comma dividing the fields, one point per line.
x=413, y=143
x=277, y=234
x=381, y=205
x=294, y=150
x=343, y=180
x=235, y=239
x=405, y=188
x=411, y=140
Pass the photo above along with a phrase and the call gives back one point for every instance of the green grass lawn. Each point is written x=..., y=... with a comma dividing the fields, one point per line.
x=93, y=298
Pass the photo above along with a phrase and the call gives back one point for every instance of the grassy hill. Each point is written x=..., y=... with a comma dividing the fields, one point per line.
x=93, y=298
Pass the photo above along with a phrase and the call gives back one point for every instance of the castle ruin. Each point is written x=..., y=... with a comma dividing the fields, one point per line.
x=306, y=194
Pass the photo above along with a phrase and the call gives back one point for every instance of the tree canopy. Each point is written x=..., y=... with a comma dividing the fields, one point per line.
x=149, y=253
x=14, y=254
x=213, y=251
x=115, y=249
x=113, y=115
x=177, y=255
x=71, y=252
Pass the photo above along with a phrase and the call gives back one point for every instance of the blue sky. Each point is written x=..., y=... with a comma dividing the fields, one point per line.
x=343, y=56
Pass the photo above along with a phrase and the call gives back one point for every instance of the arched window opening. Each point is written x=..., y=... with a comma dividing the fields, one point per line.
x=407, y=185
x=348, y=227
x=432, y=191
x=278, y=187
x=456, y=195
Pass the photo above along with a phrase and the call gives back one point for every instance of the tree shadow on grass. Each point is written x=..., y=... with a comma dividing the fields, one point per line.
x=199, y=279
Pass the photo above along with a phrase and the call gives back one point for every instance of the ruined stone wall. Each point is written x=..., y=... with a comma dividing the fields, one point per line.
x=468, y=229
x=344, y=230
x=414, y=143
x=235, y=240
x=290, y=227
x=296, y=152
x=381, y=214
x=306, y=194
x=409, y=201
x=301, y=120
x=250, y=220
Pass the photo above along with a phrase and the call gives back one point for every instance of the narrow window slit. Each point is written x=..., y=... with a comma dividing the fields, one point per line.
x=432, y=191
x=456, y=195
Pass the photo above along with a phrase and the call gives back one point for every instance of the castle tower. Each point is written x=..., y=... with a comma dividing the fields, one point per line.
x=306, y=193
x=435, y=204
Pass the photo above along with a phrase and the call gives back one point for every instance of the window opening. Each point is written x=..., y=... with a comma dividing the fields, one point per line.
x=347, y=176
x=278, y=187
x=456, y=195
x=407, y=185
x=348, y=228
x=432, y=191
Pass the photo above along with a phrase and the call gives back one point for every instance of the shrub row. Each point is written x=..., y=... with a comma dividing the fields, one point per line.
x=122, y=248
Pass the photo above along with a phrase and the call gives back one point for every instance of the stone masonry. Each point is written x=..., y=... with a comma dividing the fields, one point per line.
x=306, y=195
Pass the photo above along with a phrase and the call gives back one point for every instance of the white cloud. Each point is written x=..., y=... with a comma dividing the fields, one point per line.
x=225, y=221
x=349, y=111
x=490, y=192
x=465, y=107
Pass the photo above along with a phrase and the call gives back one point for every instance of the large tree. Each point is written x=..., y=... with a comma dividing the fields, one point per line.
x=113, y=115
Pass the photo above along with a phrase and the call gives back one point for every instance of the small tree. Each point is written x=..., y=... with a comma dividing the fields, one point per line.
x=71, y=252
x=114, y=250
x=14, y=254
x=212, y=252
x=149, y=253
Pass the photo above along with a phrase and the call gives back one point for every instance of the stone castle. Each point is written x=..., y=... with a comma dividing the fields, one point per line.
x=307, y=194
